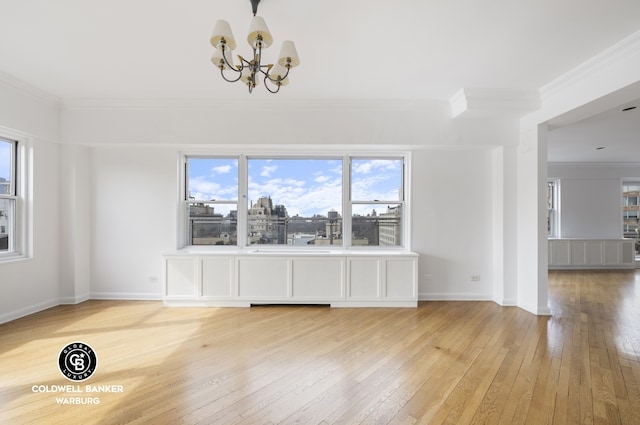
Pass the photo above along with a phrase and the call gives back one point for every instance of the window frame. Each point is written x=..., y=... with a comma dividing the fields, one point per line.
x=312, y=154
x=553, y=212
x=400, y=202
x=627, y=207
x=187, y=200
x=16, y=224
x=284, y=157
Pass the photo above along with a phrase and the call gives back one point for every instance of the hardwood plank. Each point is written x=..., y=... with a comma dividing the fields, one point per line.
x=442, y=363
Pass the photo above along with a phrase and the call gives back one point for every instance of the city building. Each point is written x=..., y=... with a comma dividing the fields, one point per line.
x=206, y=227
x=267, y=224
x=390, y=227
x=4, y=216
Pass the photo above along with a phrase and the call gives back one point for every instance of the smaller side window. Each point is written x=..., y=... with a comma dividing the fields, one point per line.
x=552, y=209
x=377, y=201
x=631, y=212
x=212, y=201
x=8, y=196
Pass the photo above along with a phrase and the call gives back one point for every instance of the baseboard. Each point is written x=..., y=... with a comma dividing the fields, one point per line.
x=507, y=302
x=537, y=310
x=126, y=296
x=451, y=296
x=595, y=267
x=74, y=300
x=22, y=312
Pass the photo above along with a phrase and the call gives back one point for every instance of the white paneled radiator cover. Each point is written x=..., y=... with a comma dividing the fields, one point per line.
x=591, y=254
x=339, y=280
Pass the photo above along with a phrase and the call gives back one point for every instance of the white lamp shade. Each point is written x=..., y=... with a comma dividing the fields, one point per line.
x=288, y=51
x=218, y=60
x=278, y=71
x=259, y=27
x=246, y=77
x=221, y=30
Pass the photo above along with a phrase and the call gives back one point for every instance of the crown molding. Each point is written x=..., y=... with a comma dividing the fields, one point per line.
x=474, y=101
x=28, y=89
x=248, y=105
x=595, y=164
x=620, y=51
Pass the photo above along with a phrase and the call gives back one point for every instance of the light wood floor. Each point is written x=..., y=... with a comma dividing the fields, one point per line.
x=442, y=363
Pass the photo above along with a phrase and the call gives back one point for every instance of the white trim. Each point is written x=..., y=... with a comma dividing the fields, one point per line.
x=454, y=296
x=483, y=101
x=537, y=310
x=508, y=302
x=29, y=90
x=75, y=300
x=26, y=311
x=254, y=105
x=615, y=53
x=595, y=164
x=126, y=296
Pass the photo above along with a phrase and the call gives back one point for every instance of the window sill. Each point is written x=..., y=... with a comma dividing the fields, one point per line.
x=266, y=251
x=13, y=258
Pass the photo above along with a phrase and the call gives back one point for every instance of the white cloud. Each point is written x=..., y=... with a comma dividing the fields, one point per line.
x=267, y=170
x=206, y=190
x=222, y=169
x=362, y=168
x=298, y=197
x=365, y=167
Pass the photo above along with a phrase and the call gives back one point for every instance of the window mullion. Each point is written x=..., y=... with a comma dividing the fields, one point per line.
x=346, y=201
x=243, y=202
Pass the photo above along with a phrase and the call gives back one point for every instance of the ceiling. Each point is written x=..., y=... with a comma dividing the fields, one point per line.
x=612, y=136
x=349, y=50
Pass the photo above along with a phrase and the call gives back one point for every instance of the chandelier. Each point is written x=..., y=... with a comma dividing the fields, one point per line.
x=251, y=71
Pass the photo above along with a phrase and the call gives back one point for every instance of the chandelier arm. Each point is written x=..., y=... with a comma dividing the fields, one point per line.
x=266, y=85
x=228, y=80
x=223, y=46
x=277, y=80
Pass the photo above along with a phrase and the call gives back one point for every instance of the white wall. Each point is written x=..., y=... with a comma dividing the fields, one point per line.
x=31, y=284
x=135, y=182
x=118, y=180
x=76, y=216
x=452, y=222
x=135, y=202
x=256, y=122
x=105, y=203
x=590, y=198
x=134, y=221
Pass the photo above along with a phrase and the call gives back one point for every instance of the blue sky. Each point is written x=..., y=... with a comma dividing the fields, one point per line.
x=304, y=186
x=5, y=160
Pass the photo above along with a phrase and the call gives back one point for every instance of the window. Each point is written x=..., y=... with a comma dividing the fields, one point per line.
x=552, y=209
x=8, y=196
x=631, y=211
x=377, y=199
x=212, y=201
x=323, y=201
x=294, y=201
